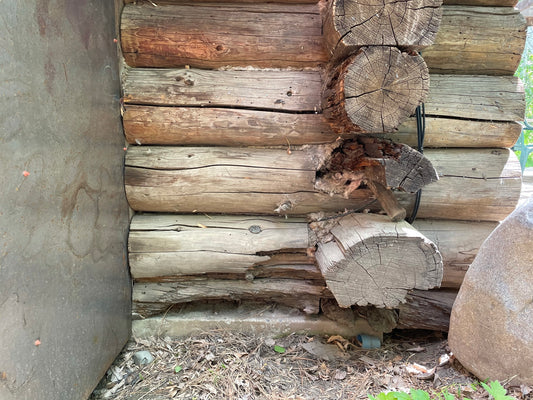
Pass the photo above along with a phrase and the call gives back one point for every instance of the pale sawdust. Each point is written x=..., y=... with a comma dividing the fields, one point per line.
x=230, y=365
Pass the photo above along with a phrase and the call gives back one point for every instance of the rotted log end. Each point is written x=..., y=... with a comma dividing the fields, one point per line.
x=374, y=90
x=363, y=262
x=377, y=164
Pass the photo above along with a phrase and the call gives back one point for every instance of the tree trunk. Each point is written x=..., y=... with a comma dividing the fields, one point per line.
x=214, y=35
x=349, y=24
x=362, y=258
x=374, y=90
x=427, y=310
x=477, y=40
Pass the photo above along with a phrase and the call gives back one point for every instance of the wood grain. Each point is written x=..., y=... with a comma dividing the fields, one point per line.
x=477, y=40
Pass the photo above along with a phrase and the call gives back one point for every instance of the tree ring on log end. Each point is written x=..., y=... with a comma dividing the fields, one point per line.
x=373, y=261
x=410, y=24
x=375, y=90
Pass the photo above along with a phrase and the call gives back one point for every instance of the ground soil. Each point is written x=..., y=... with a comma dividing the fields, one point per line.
x=230, y=365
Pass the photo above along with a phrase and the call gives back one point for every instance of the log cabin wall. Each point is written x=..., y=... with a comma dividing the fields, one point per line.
x=238, y=108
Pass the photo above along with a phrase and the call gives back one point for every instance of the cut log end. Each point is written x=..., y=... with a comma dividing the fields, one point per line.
x=365, y=263
x=352, y=24
x=374, y=90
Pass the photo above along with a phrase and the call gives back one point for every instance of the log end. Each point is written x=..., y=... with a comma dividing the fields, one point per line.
x=365, y=261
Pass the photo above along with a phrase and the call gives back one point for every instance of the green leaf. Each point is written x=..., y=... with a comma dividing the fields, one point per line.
x=496, y=390
x=417, y=394
x=177, y=368
x=279, y=349
x=448, y=396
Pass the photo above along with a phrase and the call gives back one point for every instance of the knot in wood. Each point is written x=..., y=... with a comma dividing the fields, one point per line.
x=255, y=229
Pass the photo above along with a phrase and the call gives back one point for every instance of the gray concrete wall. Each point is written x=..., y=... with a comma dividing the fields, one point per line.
x=63, y=270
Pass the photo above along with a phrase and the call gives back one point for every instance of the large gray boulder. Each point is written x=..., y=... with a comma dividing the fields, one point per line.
x=491, y=325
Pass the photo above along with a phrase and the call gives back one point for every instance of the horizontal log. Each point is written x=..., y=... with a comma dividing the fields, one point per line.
x=474, y=185
x=293, y=180
x=223, y=127
x=233, y=127
x=477, y=40
x=492, y=98
x=211, y=35
x=253, y=89
x=161, y=245
x=349, y=25
x=153, y=298
x=458, y=242
x=427, y=310
x=166, y=245
x=451, y=132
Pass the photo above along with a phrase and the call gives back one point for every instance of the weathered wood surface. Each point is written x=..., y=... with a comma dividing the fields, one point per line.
x=161, y=245
x=477, y=40
x=245, y=180
x=489, y=3
x=152, y=298
x=212, y=35
x=458, y=242
x=427, y=310
x=374, y=90
x=493, y=98
x=363, y=260
x=451, y=132
x=350, y=24
x=233, y=127
x=164, y=245
x=474, y=185
x=223, y=127
x=254, y=89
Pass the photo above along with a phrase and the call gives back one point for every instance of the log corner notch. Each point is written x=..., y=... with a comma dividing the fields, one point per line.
x=368, y=260
x=349, y=25
x=374, y=90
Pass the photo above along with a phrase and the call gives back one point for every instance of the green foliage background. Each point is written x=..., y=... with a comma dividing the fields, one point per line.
x=525, y=73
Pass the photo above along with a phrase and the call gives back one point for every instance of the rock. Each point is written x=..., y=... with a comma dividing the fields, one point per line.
x=142, y=358
x=491, y=325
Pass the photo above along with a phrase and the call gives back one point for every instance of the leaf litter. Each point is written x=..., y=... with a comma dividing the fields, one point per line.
x=224, y=364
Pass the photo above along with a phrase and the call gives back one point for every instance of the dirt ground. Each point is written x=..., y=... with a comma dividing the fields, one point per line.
x=229, y=365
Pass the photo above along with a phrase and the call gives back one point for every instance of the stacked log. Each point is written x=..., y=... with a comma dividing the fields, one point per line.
x=294, y=83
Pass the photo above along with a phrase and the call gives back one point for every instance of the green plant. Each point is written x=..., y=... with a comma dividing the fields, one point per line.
x=496, y=390
x=525, y=73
